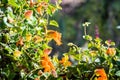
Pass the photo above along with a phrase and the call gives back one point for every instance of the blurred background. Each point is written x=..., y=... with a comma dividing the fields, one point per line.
x=104, y=16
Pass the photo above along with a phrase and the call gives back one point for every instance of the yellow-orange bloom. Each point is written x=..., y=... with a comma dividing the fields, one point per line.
x=37, y=39
x=100, y=73
x=54, y=35
x=28, y=14
x=28, y=37
x=39, y=10
x=65, y=61
x=93, y=53
x=17, y=53
x=111, y=51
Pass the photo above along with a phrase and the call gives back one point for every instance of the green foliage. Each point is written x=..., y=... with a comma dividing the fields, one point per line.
x=24, y=47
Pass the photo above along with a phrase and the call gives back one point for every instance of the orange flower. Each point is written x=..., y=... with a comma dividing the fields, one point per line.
x=36, y=78
x=20, y=42
x=37, y=39
x=51, y=65
x=54, y=35
x=65, y=61
x=17, y=53
x=28, y=14
x=41, y=7
x=111, y=51
x=47, y=64
x=47, y=51
x=44, y=63
x=39, y=10
x=100, y=73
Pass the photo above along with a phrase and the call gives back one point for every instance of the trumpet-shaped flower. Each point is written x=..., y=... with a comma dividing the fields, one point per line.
x=55, y=36
x=101, y=75
x=64, y=61
x=47, y=64
x=111, y=51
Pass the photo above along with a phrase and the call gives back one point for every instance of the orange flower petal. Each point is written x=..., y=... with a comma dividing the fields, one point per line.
x=47, y=51
x=55, y=35
x=44, y=63
x=101, y=73
x=20, y=42
x=47, y=68
x=51, y=65
x=39, y=10
x=111, y=51
x=28, y=14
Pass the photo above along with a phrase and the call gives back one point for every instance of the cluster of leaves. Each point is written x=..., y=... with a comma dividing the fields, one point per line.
x=24, y=37
x=98, y=55
x=24, y=47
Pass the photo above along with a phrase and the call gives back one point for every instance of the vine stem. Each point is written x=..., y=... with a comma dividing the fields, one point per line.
x=85, y=30
x=29, y=56
x=31, y=72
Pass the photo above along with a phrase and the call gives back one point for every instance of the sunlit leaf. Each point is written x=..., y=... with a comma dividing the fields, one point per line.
x=13, y=3
x=54, y=23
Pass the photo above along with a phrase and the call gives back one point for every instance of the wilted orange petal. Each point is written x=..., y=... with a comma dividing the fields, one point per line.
x=28, y=14
x=54, y=73
x=47, y=51
x=31, y=3
x=40, y=72
x=20, y=42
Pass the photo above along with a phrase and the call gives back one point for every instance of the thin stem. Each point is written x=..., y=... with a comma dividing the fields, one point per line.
x=29, y=56
x=85, y=30
x=31, y=72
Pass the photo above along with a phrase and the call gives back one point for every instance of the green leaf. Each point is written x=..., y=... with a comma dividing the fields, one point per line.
x=13, y=3
x=117, y=73
x=6, y=23
x=54, y=23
